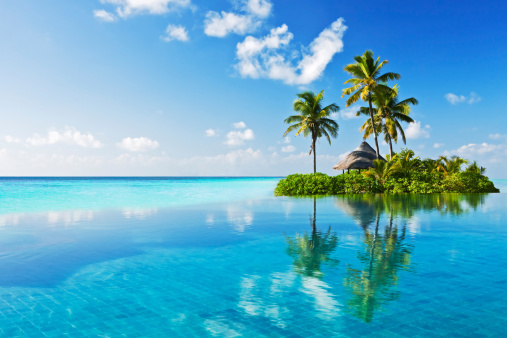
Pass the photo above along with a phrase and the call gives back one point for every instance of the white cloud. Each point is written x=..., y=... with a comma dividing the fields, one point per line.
x=288, y=149
x=455, y=99
x=347, y=113
x=438, y=145
x=473, y=98
x=239, y=125
x=126, y=8
x=286, y=140
x=104, y=15
x=498, y=136
x=210, y=133
x=415, y=130
x=222, y=24
x=138, y=144
x=67, y=136
x=267, y=57
x=261, y=8
x=174, y=32
x=478, y=149
x=10, y=139
x=238, y=137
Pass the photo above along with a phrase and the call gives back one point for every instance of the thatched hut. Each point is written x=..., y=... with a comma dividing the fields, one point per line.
x=360, y=158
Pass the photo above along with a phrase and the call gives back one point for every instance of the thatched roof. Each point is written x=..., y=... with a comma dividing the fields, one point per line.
x=361, y=158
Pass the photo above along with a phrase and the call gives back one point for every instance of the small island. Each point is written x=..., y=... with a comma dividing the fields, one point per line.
x=401, y=172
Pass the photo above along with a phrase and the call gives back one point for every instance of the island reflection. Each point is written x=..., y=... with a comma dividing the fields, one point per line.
x=371, y=281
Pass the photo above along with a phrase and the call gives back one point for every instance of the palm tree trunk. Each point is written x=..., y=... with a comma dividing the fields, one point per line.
x=373, y=126
x=314, y=157
x=390, y=146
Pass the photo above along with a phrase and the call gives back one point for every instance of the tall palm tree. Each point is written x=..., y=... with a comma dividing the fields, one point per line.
x=388, y=112
x=313, y=119
x=366, y=78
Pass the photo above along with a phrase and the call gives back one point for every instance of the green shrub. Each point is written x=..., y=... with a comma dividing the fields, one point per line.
x=417, y=182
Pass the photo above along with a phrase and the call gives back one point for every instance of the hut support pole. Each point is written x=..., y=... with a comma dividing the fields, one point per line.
x=348, y=171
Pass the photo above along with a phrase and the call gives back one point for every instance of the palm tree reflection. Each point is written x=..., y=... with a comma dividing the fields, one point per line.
x=382, y=256
x=310, y=250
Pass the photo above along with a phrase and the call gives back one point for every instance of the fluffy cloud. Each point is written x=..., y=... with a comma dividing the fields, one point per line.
x=347, y=113
x=455, y=99
x=239, y=125
x=415, y=130
x=174, y=32
x=224, y=23
x=478, y=149
x=210, y=133
x=288, y=149
x=238, y=137
x=261, y=8
x=138, y=144
x=66, y=136
x=126, y=8
x=104, y=15
x=498, y=136
x=10, y=139
x=438, y=145
x=269, y=57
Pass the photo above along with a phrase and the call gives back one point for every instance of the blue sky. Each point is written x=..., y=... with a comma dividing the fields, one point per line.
x=188, y=87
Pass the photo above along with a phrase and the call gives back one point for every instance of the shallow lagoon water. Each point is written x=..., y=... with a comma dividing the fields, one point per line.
x=138, y=260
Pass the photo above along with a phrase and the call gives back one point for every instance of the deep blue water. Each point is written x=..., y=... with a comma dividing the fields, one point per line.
x=142, y=257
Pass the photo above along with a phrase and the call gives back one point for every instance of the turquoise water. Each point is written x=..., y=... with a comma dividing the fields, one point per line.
x=111, y=257
x=501, y=184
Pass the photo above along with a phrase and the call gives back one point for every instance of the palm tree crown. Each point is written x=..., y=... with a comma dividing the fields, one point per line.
x=365, y=79
x=388, y=113
x=313, y=119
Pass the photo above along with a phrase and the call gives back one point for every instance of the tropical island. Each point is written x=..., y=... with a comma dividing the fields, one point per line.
x=401, y=172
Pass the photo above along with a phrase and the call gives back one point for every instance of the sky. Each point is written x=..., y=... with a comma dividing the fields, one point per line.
x=202, y=88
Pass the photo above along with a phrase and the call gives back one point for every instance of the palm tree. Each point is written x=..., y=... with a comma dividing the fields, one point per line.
x=430, y=165
x=366, y=78
x=388, y=112
x=382, y=170
x=474, y=167
x=407, y=162
x=313, y=119
x=451, y=165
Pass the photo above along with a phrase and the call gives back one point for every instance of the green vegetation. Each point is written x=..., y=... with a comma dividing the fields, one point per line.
x=313, y=119
x=402, y=173
x=389, y=111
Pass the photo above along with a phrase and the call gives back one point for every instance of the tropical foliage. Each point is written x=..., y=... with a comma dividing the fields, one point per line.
x=388, y=113
x=366, y=80
x=313, y=119
x=403, y=173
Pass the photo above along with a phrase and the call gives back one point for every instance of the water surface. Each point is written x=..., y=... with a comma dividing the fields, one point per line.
x=111, y=258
